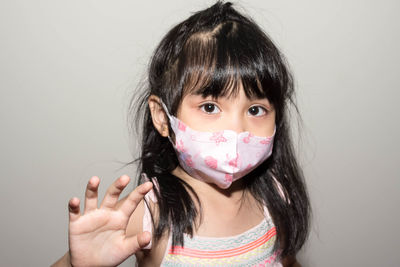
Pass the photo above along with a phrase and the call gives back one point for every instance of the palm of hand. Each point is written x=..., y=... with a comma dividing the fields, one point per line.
x=98, y=237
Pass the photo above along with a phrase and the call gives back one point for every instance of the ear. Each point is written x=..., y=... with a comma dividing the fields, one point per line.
x=158, y=115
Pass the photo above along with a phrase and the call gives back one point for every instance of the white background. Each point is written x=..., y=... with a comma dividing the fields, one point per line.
x=68, y=69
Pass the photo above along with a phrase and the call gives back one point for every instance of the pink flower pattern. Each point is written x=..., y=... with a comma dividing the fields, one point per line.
x=211, y=162
x=265, y=141
x=181, y=126
x=218, y=137
x=180, y=146
x=234, y=162
x=228, y=178
x=247, y=138
x=188, y=160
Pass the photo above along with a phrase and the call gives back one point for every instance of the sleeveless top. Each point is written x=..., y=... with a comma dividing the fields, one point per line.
x=254, y=247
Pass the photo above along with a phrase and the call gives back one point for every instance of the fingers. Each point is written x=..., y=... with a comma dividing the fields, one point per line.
x=91, y=194
x=113, y=192
x=137, y=242
x=73, y=207
x=135, y=197
x=143, y=239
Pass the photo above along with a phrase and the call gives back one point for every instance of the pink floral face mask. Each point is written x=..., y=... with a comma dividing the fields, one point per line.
x=218, y=157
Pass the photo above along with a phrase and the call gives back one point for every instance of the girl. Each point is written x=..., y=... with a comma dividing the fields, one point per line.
x=221, y=185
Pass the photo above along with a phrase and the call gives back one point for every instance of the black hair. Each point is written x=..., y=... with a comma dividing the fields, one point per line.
x=210, y=53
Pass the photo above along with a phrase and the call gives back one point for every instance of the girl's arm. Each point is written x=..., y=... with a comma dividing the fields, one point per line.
x=98, y=236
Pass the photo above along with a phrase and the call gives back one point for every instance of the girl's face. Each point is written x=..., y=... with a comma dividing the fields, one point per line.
x=237, y=113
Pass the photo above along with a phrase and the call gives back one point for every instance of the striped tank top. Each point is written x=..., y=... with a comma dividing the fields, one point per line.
x=254, y=247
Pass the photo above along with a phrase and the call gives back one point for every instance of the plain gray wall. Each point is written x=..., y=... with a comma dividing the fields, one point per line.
x=68, y=69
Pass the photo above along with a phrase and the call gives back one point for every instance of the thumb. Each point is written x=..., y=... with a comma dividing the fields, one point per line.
x=137, y=242
x=143, y=239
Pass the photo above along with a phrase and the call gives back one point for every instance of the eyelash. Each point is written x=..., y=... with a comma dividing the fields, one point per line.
x=264, y=110
x=202, y=107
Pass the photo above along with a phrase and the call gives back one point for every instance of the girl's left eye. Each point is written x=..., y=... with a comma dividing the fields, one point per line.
x=210, y=108
x=256, y=111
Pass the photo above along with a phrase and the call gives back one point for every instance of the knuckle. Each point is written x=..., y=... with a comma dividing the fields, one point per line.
x=134, y=199
x=89, y=194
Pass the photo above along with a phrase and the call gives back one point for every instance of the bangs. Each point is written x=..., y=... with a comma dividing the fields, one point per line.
x=218, y=62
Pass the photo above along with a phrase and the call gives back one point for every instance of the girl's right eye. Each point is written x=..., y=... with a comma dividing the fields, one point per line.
x=210, y=108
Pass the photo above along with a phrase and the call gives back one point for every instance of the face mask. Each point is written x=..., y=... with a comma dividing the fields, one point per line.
x=218, y=157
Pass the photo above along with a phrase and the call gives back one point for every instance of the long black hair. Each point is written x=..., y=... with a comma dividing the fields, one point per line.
x=210, y=53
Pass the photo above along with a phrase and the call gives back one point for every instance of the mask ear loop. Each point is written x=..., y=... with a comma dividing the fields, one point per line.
x=170, y=118
x=165, y=109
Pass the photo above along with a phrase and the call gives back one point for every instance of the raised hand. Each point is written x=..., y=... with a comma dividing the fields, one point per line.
x=98, y=236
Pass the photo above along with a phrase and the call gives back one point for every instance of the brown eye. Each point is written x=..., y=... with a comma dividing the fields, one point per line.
x=257, y=111
x=209, y=108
